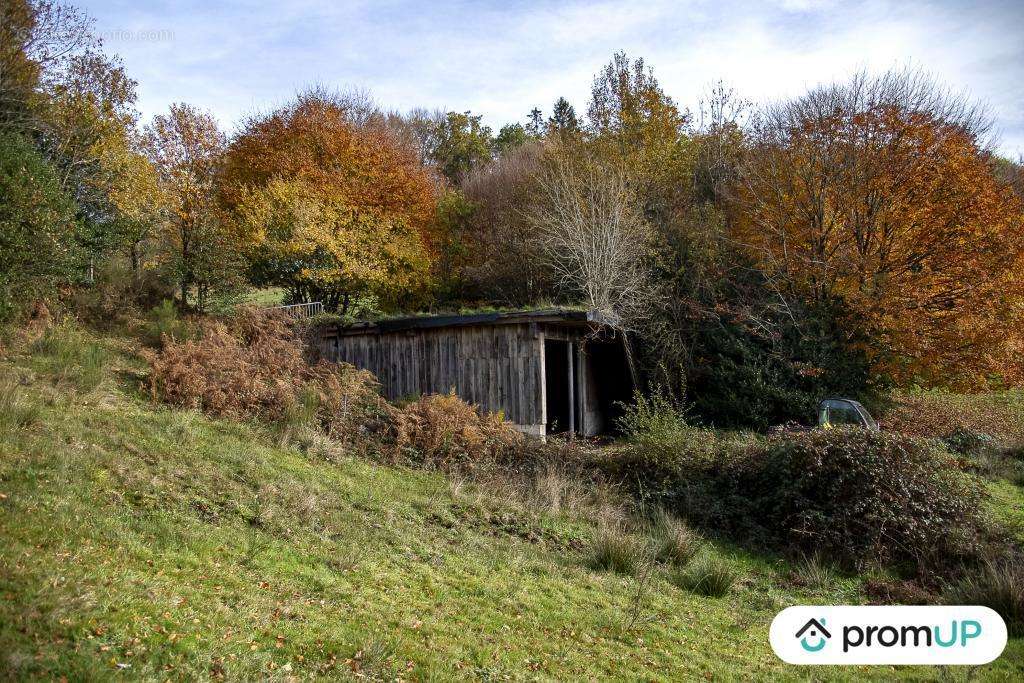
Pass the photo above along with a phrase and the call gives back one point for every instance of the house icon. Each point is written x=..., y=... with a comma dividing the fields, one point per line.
x=814, y=629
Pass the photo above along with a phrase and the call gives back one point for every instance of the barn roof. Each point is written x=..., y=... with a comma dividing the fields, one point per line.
x=559, y=316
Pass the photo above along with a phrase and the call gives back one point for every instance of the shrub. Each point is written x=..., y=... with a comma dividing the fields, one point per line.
x=443, y=431
x=254, y=366
x=707, y=576
x=674, y=542
x=164, y=323
x=998, y=585
x=660, y=444
x=117, y=293
x=655, y=422
x=968, y=441
x=854, y=494
x=40, y=245
x=663, y=453
x=937, y=414
x=613, y=550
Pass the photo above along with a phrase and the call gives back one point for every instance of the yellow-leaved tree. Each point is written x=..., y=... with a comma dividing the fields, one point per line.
x=330, y=204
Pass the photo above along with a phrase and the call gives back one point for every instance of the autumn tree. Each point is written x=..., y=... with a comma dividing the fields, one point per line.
x=419, y=130
x=501, y=256
x=37, y=40
x=77, y=106
x=878, y=193
x=330, y=207
x=632, y=116
x=187, y=147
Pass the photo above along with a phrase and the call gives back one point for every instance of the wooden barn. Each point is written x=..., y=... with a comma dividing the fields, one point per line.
x=548, y=371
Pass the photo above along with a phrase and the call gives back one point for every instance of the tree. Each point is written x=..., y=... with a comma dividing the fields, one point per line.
x=187, y=148
x=38, y=232
x=594, y=237
x=37, y=39
x=878, y=193
x=132, y=190
x=502, y=260
x=628, y=107
x=634, y=125
x=78, y=105
x=535, y=124
x=462, y=144
x=563, y=122
x=419, y=130
x=330, y=206
x=510, y=137
x=321, y=247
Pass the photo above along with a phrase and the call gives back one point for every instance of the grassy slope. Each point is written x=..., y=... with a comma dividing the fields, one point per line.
x=142, y=542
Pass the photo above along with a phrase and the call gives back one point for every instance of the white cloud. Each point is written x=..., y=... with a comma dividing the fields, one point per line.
x=502, y=59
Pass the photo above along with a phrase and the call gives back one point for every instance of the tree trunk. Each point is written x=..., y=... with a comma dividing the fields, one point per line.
x=136, y=265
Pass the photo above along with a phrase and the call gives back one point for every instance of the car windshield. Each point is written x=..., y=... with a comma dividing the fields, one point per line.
x=839, y=413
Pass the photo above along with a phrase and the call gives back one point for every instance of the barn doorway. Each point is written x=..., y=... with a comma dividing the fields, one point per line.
x=610, y=387
x=559, y=386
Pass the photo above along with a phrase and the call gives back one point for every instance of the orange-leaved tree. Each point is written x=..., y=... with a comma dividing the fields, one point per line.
x=331, y=204
x=879, y=194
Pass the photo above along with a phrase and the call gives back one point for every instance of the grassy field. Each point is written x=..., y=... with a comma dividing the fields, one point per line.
x=140, y=542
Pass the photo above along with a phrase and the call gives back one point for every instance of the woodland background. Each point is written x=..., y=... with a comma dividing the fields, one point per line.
x=859, y=237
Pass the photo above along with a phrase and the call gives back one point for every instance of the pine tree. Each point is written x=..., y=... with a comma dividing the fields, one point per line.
x=536, y=125
x=563, y=118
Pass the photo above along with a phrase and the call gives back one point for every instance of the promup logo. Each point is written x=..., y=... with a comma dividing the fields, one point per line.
x=888, y=635
x=817, y=630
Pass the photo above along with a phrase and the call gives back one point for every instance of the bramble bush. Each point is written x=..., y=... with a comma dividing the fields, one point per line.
x=855, y=495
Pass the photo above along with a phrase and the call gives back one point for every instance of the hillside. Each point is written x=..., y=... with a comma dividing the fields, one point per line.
x=142, y=542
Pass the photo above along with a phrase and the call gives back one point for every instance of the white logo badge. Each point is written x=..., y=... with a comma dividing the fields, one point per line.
x=888, y=635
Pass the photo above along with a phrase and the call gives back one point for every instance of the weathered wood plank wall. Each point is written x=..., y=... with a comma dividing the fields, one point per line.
x=498, y=367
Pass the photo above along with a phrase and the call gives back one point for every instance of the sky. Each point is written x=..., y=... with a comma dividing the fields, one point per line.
x=501, y=59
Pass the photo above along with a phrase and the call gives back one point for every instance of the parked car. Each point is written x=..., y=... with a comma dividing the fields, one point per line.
x=845, y=412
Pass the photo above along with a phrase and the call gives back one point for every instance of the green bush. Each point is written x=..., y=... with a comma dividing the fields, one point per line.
x=707, y=576
x=969, y=442
x=660, y=446
x=117, y=294
x=856, y=495
x=163, y=322
x=39, y=245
